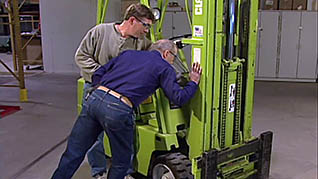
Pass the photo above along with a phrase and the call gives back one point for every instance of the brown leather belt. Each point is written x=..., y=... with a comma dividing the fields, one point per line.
x=124, y=99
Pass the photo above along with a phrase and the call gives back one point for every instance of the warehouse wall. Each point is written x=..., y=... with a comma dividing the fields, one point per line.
x=64, y=24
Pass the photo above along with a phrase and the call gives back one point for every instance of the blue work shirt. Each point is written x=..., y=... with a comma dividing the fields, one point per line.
x=137, y=74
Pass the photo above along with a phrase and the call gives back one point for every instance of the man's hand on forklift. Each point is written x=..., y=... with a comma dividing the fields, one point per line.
x=196, y=72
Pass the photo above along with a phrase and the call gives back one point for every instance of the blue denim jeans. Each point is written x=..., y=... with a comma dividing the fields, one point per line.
x=101, y=112
x=96, y=154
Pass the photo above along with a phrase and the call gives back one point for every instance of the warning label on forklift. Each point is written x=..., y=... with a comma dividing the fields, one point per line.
x=232, y=94
x=197, y=55
x=198, y=31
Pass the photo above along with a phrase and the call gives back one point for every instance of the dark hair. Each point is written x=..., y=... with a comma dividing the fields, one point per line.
x=140, y=11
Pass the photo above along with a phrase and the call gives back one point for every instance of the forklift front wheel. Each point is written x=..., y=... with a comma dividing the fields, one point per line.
x=171, y=166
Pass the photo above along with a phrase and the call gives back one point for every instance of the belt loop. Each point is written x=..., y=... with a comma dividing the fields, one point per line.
x=108, y=90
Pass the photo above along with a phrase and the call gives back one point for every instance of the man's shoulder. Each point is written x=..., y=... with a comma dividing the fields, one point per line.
x=104, y=32
x=103, y=27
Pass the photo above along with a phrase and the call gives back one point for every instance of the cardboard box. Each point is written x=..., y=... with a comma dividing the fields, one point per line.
x=269, y=5
x=299, y=4
x=314, y=5
x=34, y=1
x=33, y=51
x=285, y=4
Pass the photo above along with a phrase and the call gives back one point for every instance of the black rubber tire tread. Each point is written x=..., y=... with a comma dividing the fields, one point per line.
x=178, y=163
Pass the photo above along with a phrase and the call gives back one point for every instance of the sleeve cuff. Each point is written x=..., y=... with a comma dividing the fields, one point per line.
x=192, y=83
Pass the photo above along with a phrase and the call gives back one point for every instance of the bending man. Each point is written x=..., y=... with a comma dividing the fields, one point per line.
x=123, y=83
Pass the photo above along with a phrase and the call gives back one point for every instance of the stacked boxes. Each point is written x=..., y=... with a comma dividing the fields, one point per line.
x=299, y=4
x=34, y=1
x=314, y=5
x=283, y=4
x=269, y=4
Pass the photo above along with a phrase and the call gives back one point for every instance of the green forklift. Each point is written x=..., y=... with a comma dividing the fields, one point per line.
x=211, y=137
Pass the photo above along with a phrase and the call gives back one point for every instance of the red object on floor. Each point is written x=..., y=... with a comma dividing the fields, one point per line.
x=7, y=110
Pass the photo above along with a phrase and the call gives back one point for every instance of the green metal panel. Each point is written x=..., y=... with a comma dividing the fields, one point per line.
x=230, y=108
x=196, y=171
x=159, y=112
x=209, y=49
x=107, y=146
x=102, y=6
x=229, y=82
x=149, y=140
x=99, y=11
x=248, y=114
x=219, y=45
x=196, y=136
x=80, y=88
x=241, y=164
x=147, y=112
x=145, y=145
x=245, y=164
x=174, y=117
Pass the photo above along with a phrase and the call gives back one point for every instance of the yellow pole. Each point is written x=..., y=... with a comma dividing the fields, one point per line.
x=18, y=42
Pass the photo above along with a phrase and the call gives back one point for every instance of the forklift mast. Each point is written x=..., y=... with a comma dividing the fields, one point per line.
x=217, y=124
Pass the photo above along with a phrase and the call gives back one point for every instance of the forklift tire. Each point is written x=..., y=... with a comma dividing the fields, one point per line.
x=171, y=166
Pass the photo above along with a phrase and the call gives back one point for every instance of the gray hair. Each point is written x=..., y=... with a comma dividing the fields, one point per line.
x=163, y=45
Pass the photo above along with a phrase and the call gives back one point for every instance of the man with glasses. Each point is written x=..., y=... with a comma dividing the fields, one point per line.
x=122, y=84
x=146, y=25
x=102, y=43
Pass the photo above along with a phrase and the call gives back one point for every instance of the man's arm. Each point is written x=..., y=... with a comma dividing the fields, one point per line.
x=84, y=56
x=172, y=89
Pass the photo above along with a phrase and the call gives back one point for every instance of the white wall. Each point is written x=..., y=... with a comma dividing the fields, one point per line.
x=64, y=23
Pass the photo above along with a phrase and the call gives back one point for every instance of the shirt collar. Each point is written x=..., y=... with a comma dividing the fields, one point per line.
x=118, y=33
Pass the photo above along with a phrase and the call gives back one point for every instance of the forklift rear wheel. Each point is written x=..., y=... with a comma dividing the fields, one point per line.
x=171, y=166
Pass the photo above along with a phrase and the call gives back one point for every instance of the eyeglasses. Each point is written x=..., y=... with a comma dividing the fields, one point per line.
x=146, y=25
x=175, y=56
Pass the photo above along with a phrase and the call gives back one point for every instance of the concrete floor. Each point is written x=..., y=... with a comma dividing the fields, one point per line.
x=32, y=140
